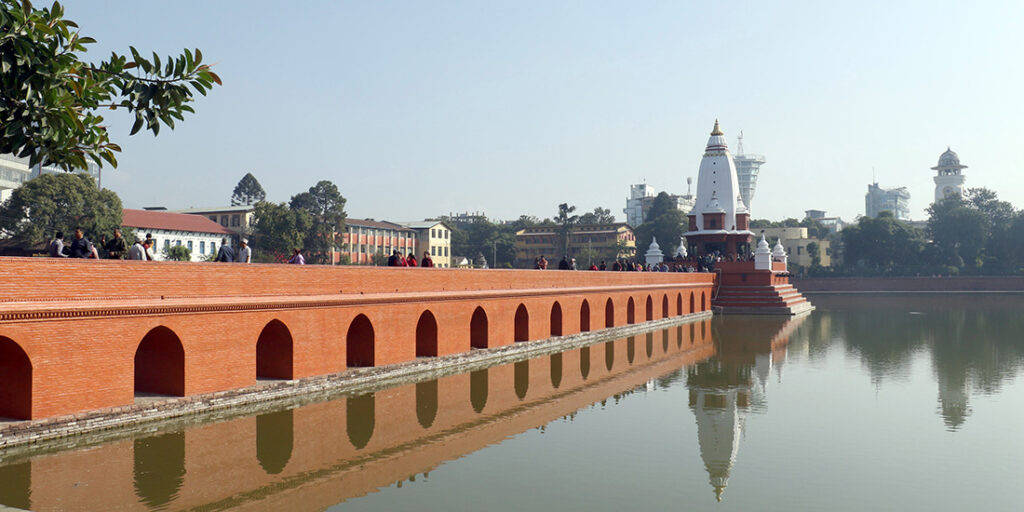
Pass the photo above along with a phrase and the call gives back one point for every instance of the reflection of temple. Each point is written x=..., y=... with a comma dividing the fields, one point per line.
x=722, y=389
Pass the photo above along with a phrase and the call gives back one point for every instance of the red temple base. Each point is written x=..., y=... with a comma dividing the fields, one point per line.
x=740, y=289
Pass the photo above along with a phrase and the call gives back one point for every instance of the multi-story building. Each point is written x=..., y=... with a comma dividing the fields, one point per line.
x=834, y=224
x=433, y=236
x=894, y=200
x=363, y=238
x=796, y=242
x=747, y=169
x=641, y=198
x=199, y=234
x=238, y=219
x=593, y=242
x=14, y=172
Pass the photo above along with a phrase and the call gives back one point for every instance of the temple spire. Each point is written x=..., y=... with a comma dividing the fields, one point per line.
x=717, y=130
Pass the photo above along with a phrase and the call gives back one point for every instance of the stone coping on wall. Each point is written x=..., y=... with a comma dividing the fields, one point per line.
x=147, y=414
x=49, y=310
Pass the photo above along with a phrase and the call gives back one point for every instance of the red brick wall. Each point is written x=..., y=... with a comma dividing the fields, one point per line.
x=81, y=322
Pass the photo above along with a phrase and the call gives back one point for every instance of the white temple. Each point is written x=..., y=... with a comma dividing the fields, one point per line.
x=949, y=180
x=720, y=220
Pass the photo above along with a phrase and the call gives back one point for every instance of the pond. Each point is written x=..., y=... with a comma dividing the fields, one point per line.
x=889, y=402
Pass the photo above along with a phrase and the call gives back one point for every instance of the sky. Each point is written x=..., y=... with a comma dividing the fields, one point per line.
x=419, y=109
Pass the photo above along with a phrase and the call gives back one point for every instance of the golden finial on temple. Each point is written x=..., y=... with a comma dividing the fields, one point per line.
x=717, y=130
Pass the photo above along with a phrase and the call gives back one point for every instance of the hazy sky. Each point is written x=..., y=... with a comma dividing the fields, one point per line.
x=417, y=109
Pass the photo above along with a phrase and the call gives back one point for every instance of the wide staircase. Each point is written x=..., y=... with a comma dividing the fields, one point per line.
x=780, y=299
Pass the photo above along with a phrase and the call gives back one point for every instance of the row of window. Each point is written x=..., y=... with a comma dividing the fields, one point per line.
x=387, y=233
x=202, y=245
x=439, y=233
x=235, y=220
x=436, y=251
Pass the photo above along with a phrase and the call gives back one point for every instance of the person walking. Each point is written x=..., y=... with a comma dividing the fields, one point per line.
x=137, y=251
x=225, y=254
x=297, y=258
x=117, y=247
x=80, y=245
x=244, y=252
x=57, y=246
x=426, y=262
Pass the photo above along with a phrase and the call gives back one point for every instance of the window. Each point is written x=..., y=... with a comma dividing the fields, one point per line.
x=213, y=247
x=433, y=250
x=446, y=251
x=234, y=221
x=446, y=235
x=177, y=243
x=433, y=233
x=189, y=245
x=167, y=244
x=213, y=218
x=224, y=220
x=202, y=247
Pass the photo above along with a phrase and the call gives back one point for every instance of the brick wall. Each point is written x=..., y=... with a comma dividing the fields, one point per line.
x=81, y=322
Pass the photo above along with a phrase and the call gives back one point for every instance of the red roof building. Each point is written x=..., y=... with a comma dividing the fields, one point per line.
x=196, y=232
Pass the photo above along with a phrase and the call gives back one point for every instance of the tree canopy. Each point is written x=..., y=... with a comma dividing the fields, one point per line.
x=598, y=216
x=664, y=221
x=248, y=191
x=50, y=98
x=326, y=207
x=278, y=229
x=59, y=202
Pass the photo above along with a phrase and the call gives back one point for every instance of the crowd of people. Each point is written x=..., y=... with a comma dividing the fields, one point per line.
x=397, y=260
x=117, y=248
x=703, y=263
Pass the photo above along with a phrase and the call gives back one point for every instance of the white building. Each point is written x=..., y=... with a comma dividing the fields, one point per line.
x=199, y=234
x=949, y=181
x=433, y=236
x=641, y=198
x=893, y=200
x=747, y=169
x=15, y=172
x=239, y=219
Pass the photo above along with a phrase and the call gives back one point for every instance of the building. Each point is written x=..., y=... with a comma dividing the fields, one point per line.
x=238, y=219
x=949, y=180
x=641, y=198
x=894, y=200
x=434, y=236
x=464, y=218
x=720, y=219
x=200, y=235
x=796, y=241
x=588, y=243
x=834, y=224
x=363, y=238
x=15, y=172
x=747, y=169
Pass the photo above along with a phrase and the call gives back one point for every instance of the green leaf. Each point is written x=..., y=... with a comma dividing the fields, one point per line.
x=138, y=124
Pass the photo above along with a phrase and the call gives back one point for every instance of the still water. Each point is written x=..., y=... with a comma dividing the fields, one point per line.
x=869, y=403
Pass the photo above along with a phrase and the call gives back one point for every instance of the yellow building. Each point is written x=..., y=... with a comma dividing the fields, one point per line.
x=435, y=237
x=588, y=243
x=795, y=241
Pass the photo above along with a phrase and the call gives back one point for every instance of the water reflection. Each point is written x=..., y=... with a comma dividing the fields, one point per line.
x=360, y=417
x=159, y=468
x=16, y=485
x=275, y=437
x=478, y=389
x=426, y=403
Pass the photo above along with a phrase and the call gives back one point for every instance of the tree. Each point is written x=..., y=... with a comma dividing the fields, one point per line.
x=565, y=222
x=177, y=253
x=59, y=202
x=814, y=251
x=326, y=206
x=598, y=216
x=50, y=98
x=665, y=222
x=959, y=232
x=279, y=229
x=882, y=244
x=248, y=191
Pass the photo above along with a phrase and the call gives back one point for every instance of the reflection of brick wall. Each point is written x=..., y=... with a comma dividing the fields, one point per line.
x=910, y=284
x=82, y=348
x=321, y=467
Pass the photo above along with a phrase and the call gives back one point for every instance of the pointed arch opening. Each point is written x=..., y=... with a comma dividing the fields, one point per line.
x=426, y=335
x=274, y=352
x=679, y=304
x=522, y=324
x=160, y=363
x=556, y=319
x=585, y=316
x=703, y=301
x=522, y=378
x=649, y=309
x=275, y=438
x=360, y=417
x=631, y=311
x=556, y=370
x=359, y=342
x=609, y=313
x=478, y=390
x=664, y=306
x=426, y=402
x=478, y=328
x=15, y=381
x=691, y=304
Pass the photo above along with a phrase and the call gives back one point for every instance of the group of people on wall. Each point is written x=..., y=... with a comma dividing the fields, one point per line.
x=678, y=264
x=117, y=248
x=397, y=260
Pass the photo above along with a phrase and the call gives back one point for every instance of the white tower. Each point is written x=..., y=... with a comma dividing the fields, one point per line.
x=747, y=169
x=949, y=181
x=719, y=220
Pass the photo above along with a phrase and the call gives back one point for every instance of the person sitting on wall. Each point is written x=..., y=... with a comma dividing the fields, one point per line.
x=426, y=262
x=411, y=260
x=542, y=263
